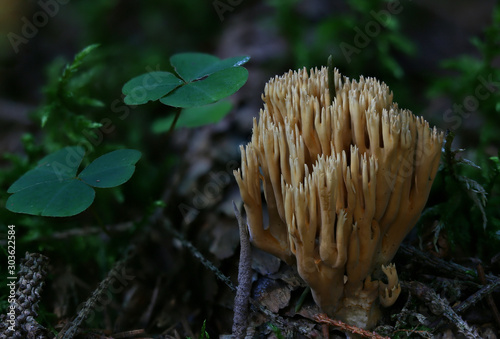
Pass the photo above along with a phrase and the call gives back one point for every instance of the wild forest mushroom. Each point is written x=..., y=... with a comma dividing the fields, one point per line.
x=345, y=180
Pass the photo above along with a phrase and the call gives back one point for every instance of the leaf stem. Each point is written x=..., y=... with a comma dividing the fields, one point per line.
x=177, y=115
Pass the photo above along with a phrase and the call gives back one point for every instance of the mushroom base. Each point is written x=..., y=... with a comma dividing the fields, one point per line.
x=361, y=310
x=360, y=313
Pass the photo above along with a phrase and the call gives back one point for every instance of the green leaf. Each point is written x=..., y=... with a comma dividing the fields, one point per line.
x=72, y=68
x=111, y=169
x=149, y=87
x=205, y=79
x=209, y=90
x=194, y=117
x=53, y=168
x=192, y=66
x=53, y=199
x=53, y=189
x=204, y=333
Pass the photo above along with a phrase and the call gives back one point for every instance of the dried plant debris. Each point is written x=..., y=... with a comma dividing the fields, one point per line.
x=20, y=322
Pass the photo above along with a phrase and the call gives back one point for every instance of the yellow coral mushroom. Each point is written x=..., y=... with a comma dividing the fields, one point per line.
x=345, y=180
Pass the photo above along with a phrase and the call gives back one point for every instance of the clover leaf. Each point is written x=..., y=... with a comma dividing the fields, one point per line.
x=149, y=87
x=202, y=79
x=214, y=87
x=54, y=189
x=193, y=66
x=194, y=117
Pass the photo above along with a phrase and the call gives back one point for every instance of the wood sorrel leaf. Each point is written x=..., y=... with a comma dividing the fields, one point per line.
x=193, y=66
x=149, y=87
x=53, y=188
x=111, y=169
x=208, y=90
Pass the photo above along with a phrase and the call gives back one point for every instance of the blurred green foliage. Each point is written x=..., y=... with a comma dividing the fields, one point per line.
x=468, y=191
x=474, y=88
x=465, y=200
x=365, y=32
x=67, y=105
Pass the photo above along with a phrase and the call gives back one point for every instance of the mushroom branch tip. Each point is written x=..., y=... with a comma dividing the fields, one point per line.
x=344, y=180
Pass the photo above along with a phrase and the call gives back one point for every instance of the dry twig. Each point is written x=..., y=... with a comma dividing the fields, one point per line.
x=455, y=270
x=486, y=290
x=240, y=321
x=197, y=254
x=323, y=319
x=72, y=328
x=277, y=320
x=440, y=306
x=489, y=298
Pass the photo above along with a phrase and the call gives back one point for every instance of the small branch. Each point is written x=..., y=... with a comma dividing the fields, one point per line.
x=146, y=317
x=129, y=334
x=483, y=292
x=240, y=322
x=489, y=298
x=455, y=270
x=72, y=328
x=323, y=319
x=197, y=254
x=277, y=320
x=440, y=306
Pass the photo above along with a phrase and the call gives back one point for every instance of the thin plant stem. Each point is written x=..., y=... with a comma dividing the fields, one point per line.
x=177, y=115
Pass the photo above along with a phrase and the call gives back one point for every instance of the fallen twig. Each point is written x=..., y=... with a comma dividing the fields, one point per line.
x=117, y=273
x=197, y=254
x=208, y=264
x=456, y=270
x=240, y=320
x=323, y=319
x=483, y=292
x=439, y=306
x=489, y=298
